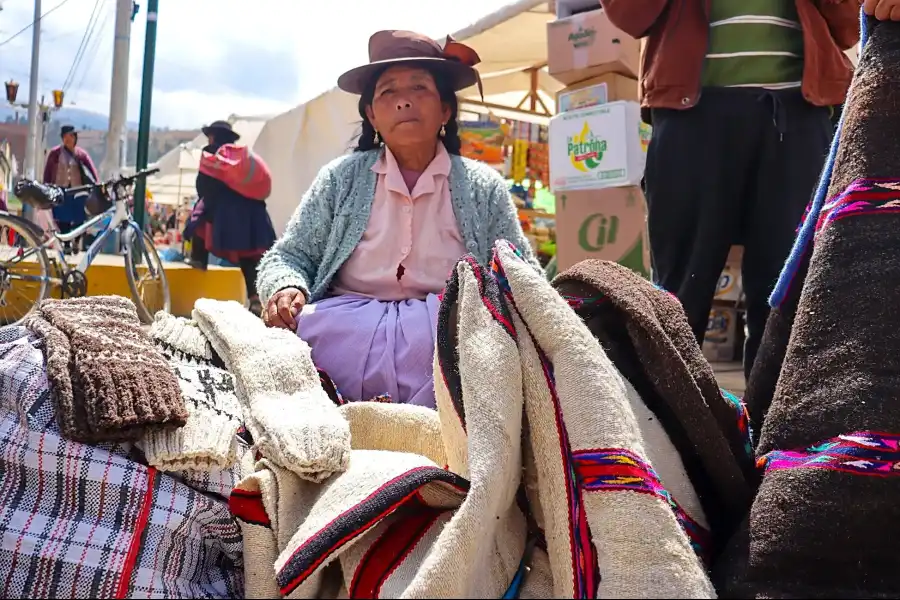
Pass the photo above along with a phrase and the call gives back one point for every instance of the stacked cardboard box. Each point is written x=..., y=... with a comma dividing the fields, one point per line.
x=723, y=330
x=598, y=143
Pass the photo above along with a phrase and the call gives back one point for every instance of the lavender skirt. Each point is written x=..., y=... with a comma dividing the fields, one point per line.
x=371, y=348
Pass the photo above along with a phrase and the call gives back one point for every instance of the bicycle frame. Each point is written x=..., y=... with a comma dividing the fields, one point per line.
x=114, y=217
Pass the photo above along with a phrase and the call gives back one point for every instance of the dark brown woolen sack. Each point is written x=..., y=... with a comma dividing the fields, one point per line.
x=829, y=441
x=645, y=333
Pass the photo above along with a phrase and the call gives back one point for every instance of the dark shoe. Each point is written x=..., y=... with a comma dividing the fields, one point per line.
x=195, y=264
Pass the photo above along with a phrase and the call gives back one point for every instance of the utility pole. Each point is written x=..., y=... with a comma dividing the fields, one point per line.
x=31, y=146
x=143, y=149
x=117, y=136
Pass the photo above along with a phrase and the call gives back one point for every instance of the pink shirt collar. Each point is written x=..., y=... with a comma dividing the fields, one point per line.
x=387, y=165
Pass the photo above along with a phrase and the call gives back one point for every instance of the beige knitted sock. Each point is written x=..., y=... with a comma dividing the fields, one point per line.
x=207, y=441
x=289, y=415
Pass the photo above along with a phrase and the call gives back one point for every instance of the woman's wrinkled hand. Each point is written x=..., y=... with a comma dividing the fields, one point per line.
x=883, y=10
x=283, y=308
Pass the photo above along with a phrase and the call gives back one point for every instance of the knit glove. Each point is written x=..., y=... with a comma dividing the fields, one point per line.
x=208, y=440
x=292, y=420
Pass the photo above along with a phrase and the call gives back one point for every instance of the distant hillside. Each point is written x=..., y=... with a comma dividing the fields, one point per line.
x=82, y=119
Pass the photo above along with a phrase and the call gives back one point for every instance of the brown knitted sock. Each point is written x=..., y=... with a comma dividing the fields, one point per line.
x=119, y=382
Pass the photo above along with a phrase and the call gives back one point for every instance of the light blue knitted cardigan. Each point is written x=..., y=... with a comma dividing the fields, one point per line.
x=334, y=212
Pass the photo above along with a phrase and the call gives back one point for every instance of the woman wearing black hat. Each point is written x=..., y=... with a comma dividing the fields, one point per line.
x=228, y=224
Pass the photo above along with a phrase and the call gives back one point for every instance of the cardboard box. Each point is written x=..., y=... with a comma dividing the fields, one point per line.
x=595, y=91
x=721, y=335
x=567, y=8
x=608, y=224
x=730, y=287
x=586, y=45
x=598, y=147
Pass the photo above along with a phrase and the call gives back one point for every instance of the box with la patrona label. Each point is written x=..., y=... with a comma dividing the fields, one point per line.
x=586, y=44
x=598, y=147
x=608, y=224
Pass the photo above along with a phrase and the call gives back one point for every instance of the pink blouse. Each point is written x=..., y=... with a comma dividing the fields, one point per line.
x=412, y=240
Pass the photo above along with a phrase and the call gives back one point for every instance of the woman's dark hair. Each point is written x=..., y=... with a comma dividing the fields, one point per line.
x=450, y=138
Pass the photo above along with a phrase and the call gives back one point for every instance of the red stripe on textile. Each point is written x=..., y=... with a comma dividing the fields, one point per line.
x=139, y=527
x=248, y=507
x=391, y=549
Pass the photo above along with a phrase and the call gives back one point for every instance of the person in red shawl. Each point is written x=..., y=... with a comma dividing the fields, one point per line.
x=230, y=220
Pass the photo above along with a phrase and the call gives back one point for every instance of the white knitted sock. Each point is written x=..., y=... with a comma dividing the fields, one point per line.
x=207, y=440
x=289, y=415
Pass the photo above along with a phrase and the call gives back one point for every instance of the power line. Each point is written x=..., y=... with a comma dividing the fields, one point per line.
x=92, y=55
x=30, y=25
x=82, y=46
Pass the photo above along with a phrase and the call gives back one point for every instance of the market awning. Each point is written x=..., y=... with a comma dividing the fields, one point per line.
x=512, y=44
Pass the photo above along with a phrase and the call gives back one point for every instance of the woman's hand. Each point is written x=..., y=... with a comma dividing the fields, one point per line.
x=283, y=308
x=883, y=10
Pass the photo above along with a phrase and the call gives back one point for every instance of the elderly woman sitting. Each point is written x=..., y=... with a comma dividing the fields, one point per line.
x=360, y=265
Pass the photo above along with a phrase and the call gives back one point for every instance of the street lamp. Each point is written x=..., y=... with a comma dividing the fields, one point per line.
x=12, y=90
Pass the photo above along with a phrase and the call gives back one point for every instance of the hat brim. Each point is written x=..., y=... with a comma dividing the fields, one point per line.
x=461, y=76
x=208, y=130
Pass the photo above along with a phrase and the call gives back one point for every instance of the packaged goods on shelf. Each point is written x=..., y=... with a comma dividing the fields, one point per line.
x=720, y=344
x=598, y=147
x=586, y=44
x=595, y=91
x=483, y=140
x=607, y=224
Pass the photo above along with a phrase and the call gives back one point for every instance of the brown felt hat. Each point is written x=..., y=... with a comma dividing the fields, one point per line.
x=387, y=48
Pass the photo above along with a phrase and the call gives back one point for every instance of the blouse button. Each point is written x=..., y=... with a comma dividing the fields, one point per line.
x=405, y=249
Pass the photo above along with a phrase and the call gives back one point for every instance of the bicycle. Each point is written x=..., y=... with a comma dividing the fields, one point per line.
x=31, y=246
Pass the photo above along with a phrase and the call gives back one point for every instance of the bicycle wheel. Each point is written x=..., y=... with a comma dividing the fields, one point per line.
x=146, y=277
x=25, y=275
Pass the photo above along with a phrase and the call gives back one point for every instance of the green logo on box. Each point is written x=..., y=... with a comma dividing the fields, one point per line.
x=596, y=231
x=583, y=37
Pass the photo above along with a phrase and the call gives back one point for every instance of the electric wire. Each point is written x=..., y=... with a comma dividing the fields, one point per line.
x=82, y=46
x=30, y=25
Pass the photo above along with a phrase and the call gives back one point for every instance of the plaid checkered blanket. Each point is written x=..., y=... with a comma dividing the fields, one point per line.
x=79, y=521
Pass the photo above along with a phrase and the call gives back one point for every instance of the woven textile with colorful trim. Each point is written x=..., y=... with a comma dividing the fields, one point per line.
x=858, y=453
x=585, y=559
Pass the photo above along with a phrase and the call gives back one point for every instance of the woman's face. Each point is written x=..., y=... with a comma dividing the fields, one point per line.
x=407, y=108
x=210, y=140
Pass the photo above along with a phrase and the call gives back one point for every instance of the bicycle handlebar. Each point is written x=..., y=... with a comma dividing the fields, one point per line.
x=121, y=180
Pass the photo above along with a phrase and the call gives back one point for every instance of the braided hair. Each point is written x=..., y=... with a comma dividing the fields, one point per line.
x=452, y=143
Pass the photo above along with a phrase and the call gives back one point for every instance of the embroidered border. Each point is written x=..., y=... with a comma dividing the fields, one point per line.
x=859, y=453
x=615, y=469
x=863, y=196
x=743, y=419
x=585, y=565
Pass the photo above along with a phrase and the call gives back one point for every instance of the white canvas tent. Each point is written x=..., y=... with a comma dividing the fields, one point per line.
x=178, y=168
x=512, y=43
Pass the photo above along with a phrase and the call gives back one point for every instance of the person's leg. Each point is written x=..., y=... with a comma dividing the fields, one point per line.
x=793, y=152
x=248, y=268
x=698, y=165
x=199, y=258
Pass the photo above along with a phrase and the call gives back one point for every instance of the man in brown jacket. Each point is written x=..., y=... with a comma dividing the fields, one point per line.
x=739, y=95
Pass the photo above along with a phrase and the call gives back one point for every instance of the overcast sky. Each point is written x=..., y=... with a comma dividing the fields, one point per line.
x=218, y=57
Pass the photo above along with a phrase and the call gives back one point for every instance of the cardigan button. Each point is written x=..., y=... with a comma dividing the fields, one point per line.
x=471, y=245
